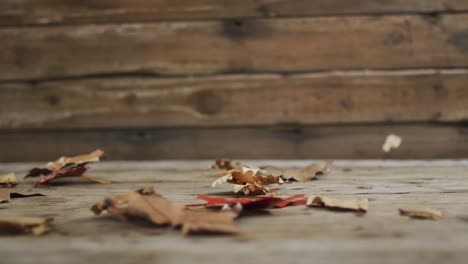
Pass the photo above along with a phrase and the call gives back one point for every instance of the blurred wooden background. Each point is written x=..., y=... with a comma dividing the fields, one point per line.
x=186, y=79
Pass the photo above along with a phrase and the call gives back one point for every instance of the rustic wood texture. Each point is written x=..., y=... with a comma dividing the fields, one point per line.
x=294, y=234
x=235, y=100
x=350, y=141
x=259, y=45
x=96, y=11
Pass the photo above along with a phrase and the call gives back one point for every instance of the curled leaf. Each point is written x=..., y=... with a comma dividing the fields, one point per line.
x=67, y=167
x=34, y=225
x=65, y=161
x=248, y=181
x=424, y=213
x=331, y=203
x=7, y=193
x=8, y=180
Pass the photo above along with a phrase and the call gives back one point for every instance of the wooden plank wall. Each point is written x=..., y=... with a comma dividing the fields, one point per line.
x=245, y=79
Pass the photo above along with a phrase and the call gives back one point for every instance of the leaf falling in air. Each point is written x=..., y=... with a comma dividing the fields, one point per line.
x=16, y=225
x=67, y=167
x=309, y=172
x=248, y=181
x=8, y=180
x=392, y=141
x=424, y=213
x=146, y=204
x=7, y=193
x=332, y=203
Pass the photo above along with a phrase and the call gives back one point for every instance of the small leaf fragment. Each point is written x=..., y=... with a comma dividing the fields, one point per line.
x=8, y=180
x=392, y=141
x=424, y=213
x=7, y=193
x=35, y=225
x=332, y=203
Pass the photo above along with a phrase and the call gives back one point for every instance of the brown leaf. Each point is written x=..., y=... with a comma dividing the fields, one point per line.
x=424, y=213
x=331, y=203
x=248, y=181
x=308, y=173
x=67, y=167
x=203, y=221
x=226, y=164
x=65, y=161
x=146, y=204
x=34, y=225
x=7, y=193
x=8, y=180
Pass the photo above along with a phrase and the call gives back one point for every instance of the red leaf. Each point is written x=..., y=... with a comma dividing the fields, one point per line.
x=64, y=172
x=252, y=204
x=293, y=200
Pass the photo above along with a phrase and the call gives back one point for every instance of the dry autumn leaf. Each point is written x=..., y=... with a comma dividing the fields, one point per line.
x=34, y=225
x=309, y=172
x=225, y=164
x=7, y=193
x=67, y=167
x=8, y=180
x=331, y=203
x=424, y=213
x=65, y=161
x=248, y=181
x=146, y=204
x=249, y=204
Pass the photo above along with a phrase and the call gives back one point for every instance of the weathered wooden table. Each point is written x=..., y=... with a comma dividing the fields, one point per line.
x=288, y=235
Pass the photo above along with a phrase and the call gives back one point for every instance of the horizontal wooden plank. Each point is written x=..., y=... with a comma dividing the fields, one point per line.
x=263, y=45
x=96, y=11
x=357, y=141
x=236, y=100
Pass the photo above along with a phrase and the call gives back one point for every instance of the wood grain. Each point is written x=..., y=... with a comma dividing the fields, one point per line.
x=296, y=233
x=229, y=46
x=97, y=11
x=353, y=141
x=236, y=100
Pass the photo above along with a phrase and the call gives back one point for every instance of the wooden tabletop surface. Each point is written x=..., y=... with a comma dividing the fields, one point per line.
x=289, y=235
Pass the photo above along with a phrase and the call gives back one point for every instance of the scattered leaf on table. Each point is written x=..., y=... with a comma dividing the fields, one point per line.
x=146, y=204
x=246, y=204
x=297, y=199
x=7, y=193
x=65, y=161
x=351, y=205
x=67, y=167
x=248, y=181
x=8, y=180
x=391, y=142
x=250, y=204
x=309, y=172
x=424, y=213
x=34, y=225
